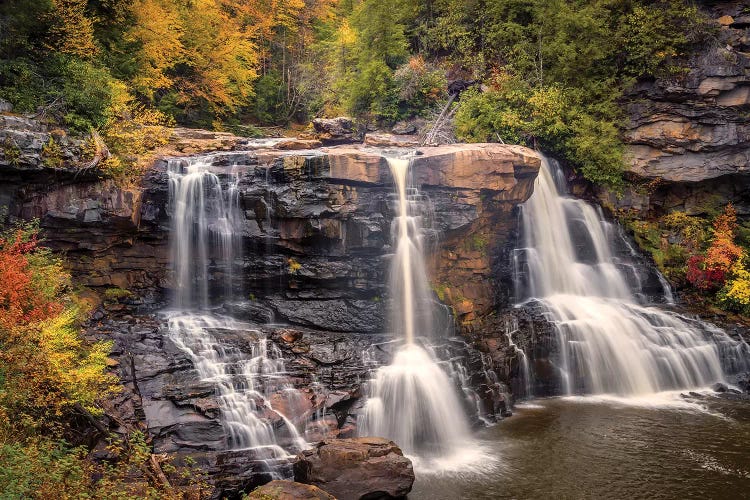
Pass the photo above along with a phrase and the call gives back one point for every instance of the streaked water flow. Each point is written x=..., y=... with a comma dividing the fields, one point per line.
x=206, y=216
x=608, y=341
x=413, y=400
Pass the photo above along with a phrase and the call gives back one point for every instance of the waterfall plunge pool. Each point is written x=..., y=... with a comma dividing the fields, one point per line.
x=598, y=447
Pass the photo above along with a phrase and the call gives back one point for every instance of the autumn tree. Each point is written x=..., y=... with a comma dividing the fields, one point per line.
x=158, y=31
x=710, y=271
x=72, y=30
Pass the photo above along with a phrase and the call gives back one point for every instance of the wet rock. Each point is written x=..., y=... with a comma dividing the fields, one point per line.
x=719, y=387
x=250, y=311
x=234, y=473
x=289, y=490
x=358, y=468
x=333, y=315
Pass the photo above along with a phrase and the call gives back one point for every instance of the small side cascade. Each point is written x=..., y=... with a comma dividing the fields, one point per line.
x=413, y=400
x=524, y=367
x=609, y=341
x=258, y=406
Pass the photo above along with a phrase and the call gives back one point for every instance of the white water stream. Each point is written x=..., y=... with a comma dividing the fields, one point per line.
x=413, y=400
x=205, y=227
x=608, y=342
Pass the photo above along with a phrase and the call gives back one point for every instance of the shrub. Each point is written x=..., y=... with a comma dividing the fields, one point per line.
x=131, y=131
x=735, y=296
x=11, y=152
x=52, y=154
x=47, y=367
x=547, y=117
x=419, y=85
x=710, y=271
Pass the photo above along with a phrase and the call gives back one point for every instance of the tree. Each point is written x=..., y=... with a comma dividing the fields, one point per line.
x=72, y=31
x=158, y=31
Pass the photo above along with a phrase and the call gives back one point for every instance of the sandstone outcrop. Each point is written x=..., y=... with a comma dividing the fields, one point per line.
x=365, y=468
x=289, y=490
x=688, y=137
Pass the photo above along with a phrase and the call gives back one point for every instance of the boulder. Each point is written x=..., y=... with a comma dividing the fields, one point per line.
x=356, y=468
x=404, y=128
x=289, y=490
x=340, y=130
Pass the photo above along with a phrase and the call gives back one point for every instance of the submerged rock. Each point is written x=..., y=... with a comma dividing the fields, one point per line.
x=358, y=468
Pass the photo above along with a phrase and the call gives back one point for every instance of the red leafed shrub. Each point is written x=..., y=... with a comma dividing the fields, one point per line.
x=703, y=277
x=710, y=272
x=21, y=300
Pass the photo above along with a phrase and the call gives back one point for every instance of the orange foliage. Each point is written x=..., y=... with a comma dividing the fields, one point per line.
x=20, y=300
x=711, y=271
x=724, y=252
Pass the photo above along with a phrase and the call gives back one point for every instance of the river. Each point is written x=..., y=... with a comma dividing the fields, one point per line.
x=662, y=447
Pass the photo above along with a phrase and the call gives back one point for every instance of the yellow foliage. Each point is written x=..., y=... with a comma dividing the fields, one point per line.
x=294, y=266
x=158, y=29
x=222, y=55
x=72, y=31
x=736, y=293
x=132, y=132
x=79, y=370
x=692, y=229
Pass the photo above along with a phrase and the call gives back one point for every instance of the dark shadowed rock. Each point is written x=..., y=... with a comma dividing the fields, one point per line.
x=404, y=128
x=289, y=490
x=340, y=130
x=363, y=468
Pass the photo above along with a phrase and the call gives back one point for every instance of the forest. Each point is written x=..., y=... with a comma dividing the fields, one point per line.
x=555, y=70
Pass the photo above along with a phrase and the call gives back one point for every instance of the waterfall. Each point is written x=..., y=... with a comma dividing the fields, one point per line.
x=413, y=400
x=206, y=223
x=608, y=341
x=204, y=218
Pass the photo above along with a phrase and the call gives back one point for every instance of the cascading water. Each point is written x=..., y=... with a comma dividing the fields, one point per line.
x=204, y=218
x=413, y=401
x=608, y=342
x=205, y=228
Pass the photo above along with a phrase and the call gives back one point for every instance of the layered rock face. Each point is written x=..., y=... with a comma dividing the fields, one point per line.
x=689, y=136
x=315, y=244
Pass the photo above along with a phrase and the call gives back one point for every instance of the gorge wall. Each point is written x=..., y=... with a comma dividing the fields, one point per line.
x=315, y=238
x=688, y=136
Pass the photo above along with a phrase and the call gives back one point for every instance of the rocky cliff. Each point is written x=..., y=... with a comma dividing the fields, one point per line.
x=688, y=136
x=315, y=247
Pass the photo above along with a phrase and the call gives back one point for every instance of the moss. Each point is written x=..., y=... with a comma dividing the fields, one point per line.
x=116, y=294
x=477, y=242
x=440, y=290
